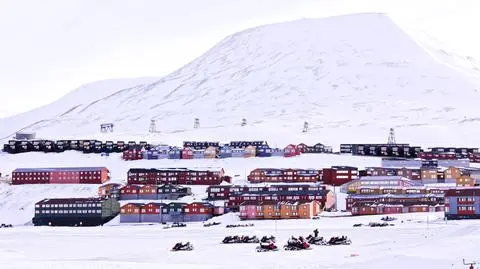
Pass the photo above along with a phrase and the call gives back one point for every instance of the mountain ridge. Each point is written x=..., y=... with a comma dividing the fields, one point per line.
x=354, y=71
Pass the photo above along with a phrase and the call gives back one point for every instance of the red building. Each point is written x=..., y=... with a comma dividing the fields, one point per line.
x=177, y=176
x=63, y=175
x=339, y=175
x=130, y=192
x=187, y=153
x=302, y=147
x=322, y=195
x=133, y=153
x=291, y=151
x=289, y=175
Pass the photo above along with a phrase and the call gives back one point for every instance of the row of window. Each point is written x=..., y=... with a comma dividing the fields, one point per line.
x=466, y=199
x=67, y=205
x=90, y=211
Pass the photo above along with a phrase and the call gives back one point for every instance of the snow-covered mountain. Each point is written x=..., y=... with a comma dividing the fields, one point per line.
x=355, y=74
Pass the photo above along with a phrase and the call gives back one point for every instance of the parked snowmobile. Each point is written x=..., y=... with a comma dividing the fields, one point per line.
x=248, y=239
x=342, y=240
x=231, y=239
x=316, y=240
x=387, y=218
x=264, y=247
x=211, y=224
x=182, y=247
x=266, y=239
x=297, y=244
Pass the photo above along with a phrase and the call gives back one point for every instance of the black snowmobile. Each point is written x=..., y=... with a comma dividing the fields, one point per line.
x=267, y=246
x=316, y=240
x=249, y=240
x=182, y=247
x=342, y=240
x=267, y=239
x=388, y=218
x=296, y=244
x=231, y=239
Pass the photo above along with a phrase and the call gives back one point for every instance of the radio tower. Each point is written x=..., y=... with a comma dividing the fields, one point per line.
x=391, y=137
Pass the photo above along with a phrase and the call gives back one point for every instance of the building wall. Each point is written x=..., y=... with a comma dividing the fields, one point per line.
x=129, y=196
x=197, y=217
x=155, y=218
x=129, y=218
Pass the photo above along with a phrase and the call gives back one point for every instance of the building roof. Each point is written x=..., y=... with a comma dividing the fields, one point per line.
x=59, y=169
x=393, y=195
x=179, y=169
x=463, y=191
x=71, y=200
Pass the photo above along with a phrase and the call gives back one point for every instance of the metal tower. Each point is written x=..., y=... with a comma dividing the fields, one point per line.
x=391, y=137
x=153, y=127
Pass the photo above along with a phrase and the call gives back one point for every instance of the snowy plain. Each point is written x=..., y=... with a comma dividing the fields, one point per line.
x=421, y=241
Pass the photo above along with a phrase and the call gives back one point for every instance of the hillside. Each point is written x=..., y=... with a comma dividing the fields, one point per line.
x=348, y=74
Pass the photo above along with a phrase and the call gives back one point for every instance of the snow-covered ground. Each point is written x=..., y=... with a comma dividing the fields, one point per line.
x=421, y=241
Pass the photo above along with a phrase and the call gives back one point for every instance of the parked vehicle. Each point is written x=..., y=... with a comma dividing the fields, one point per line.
x=182, y=247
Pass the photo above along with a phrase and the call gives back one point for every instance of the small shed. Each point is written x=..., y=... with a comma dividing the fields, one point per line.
x=25, y=135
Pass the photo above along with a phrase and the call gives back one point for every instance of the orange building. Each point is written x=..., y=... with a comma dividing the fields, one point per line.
x=289, y=210
x=271, y=210
x=465, y=181
x=452, y=173
x=309, y=209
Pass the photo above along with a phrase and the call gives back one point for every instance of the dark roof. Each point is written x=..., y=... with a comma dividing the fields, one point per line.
x=466, y=191
x=250, y=203
x=59, y=169
x=71, y=200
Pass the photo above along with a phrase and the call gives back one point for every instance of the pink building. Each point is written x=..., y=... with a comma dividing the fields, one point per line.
x=249, y=210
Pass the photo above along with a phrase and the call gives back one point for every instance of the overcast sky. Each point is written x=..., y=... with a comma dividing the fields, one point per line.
x=50, y=47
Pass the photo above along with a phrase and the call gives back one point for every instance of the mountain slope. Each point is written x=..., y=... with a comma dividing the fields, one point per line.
x=356, y=71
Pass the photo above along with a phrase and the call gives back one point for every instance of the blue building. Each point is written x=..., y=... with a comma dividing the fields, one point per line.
x=462, y=203
x=264, y=151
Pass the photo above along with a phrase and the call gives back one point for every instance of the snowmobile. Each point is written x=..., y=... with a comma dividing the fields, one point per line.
x=264, y=247
x=266, y=239
x=248, y=240
x=316, y=240
x=211, y=224
x=387, y=218
x=182, y=247
x=343, y=240
x=231, y=239
x=296, y=244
